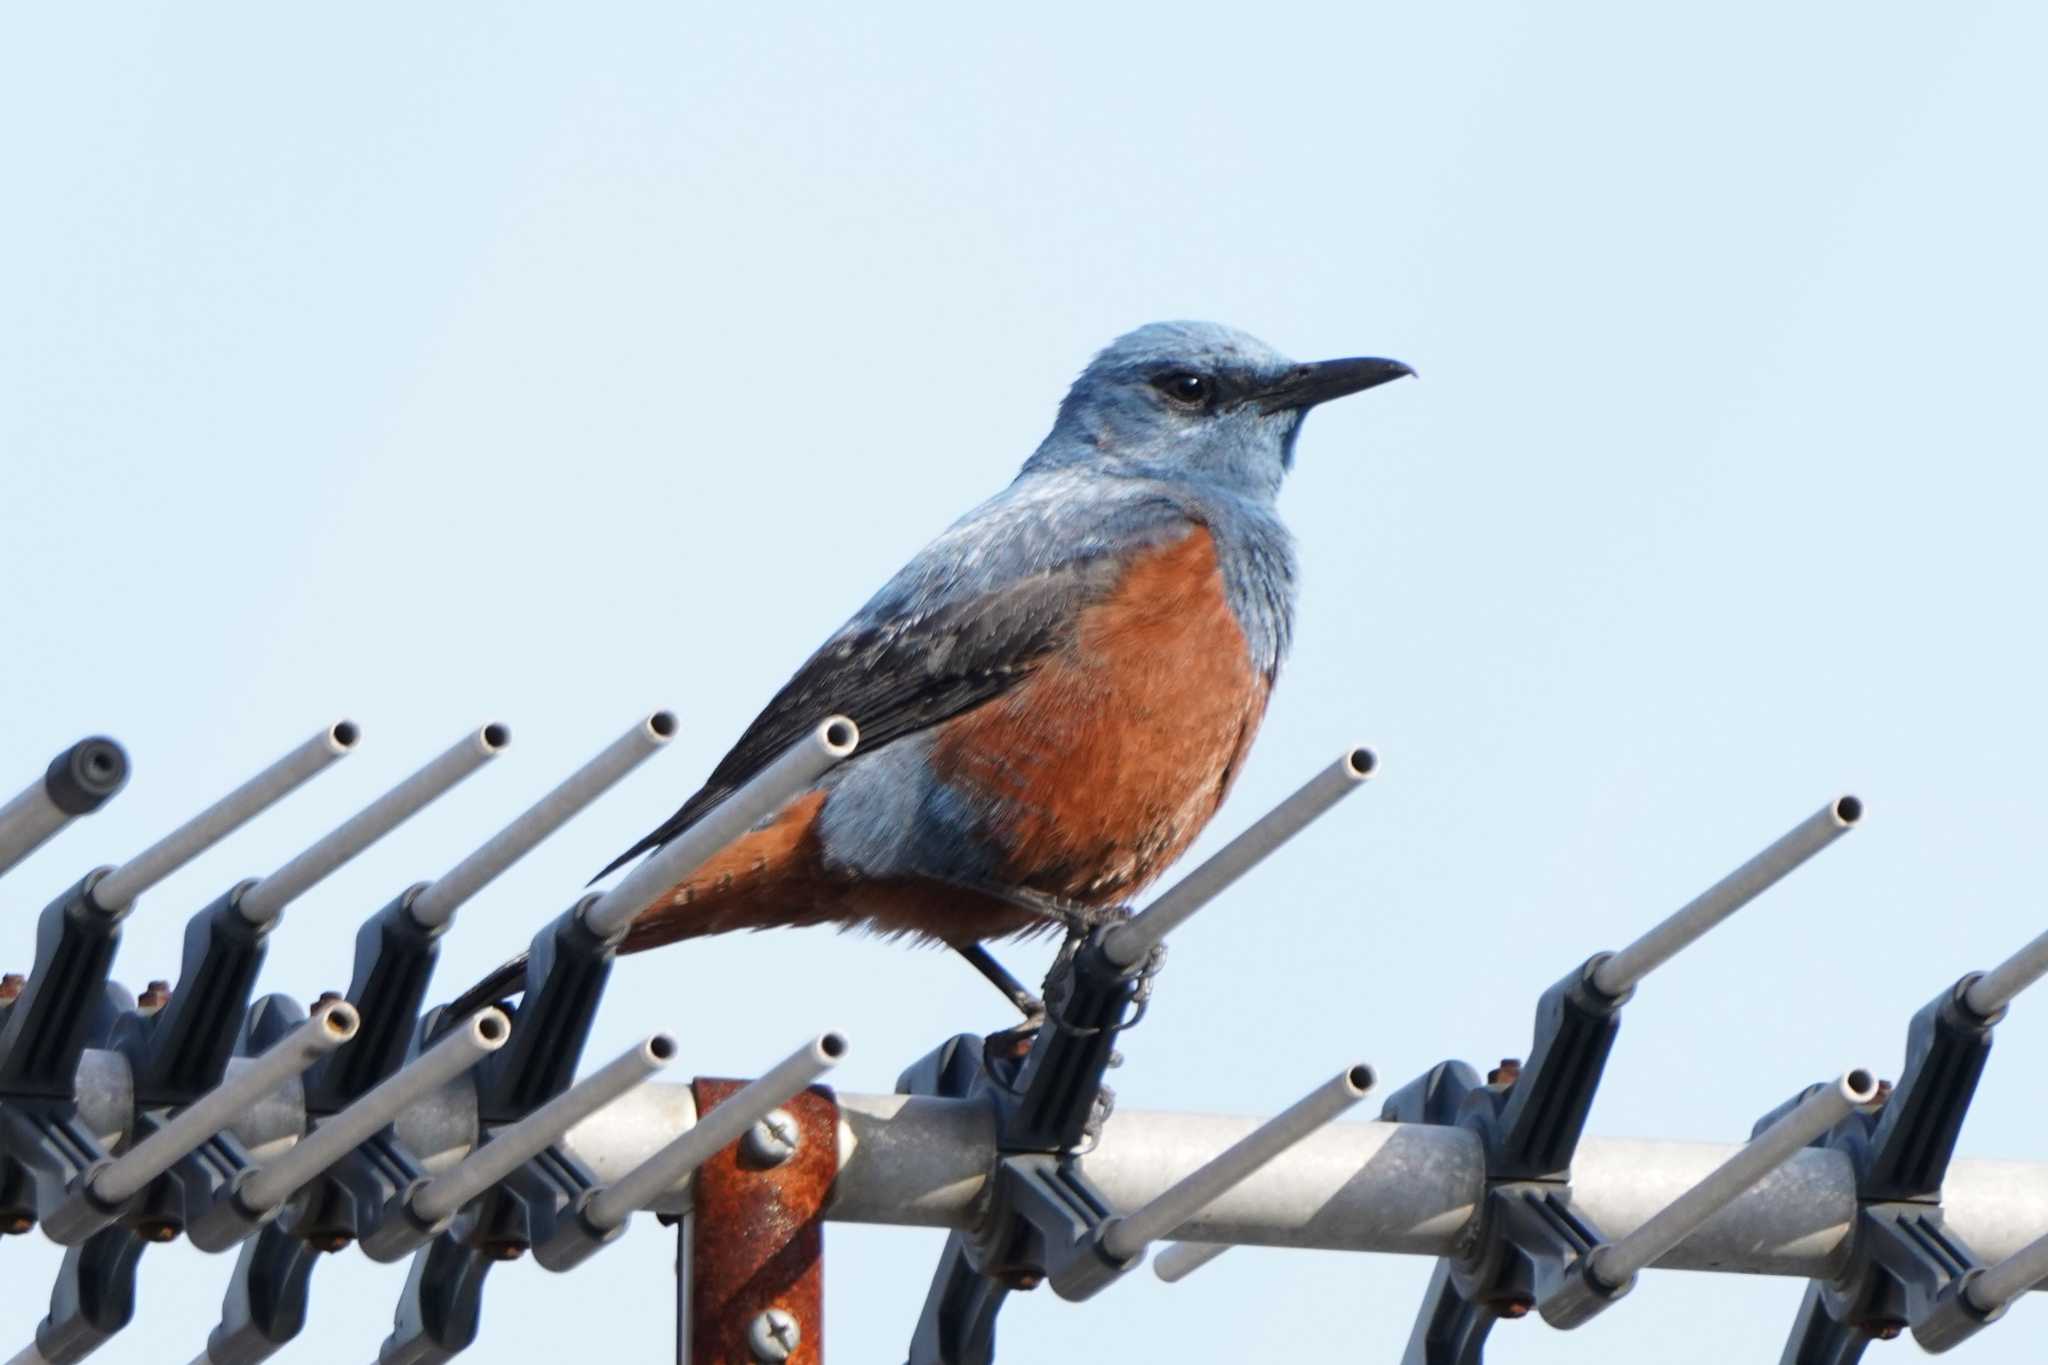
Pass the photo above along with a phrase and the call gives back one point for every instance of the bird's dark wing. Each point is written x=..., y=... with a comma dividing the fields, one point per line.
x=900, y=675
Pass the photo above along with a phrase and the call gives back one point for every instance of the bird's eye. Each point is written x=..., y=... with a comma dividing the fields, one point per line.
x=1187, y=389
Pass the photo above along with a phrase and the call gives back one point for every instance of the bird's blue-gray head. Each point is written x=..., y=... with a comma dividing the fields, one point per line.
x=1197, y=401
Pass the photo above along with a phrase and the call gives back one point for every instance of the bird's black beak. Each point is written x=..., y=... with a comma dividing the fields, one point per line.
x=1304, y=386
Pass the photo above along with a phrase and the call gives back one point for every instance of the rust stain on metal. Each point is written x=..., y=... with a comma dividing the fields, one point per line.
x=757, y=1234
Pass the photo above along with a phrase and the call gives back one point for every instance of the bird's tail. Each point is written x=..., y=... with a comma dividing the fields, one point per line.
x=489, y=991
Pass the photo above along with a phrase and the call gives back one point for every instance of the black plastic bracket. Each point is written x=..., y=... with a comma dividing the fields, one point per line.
x=442, y=1305
x=181, y=1051
x=1528, y=1232
x=567, y=967
x=1044, y=1218
x=1904, y=1261
x=64, y=1007
x=94, y=1297
x=265, y=1306
x=394, y=965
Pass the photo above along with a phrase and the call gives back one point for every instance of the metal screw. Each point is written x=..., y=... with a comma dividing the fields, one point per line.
x=773, y=1335
x=772, y=1140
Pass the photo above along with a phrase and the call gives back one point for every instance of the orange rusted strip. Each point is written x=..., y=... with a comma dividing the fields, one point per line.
x=757, y=1235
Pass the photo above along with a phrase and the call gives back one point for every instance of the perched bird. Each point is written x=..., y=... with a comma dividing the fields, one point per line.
x=1055, y=695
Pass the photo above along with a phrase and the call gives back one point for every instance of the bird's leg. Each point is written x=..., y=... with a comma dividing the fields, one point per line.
x=983, y=961
x=1079, y=917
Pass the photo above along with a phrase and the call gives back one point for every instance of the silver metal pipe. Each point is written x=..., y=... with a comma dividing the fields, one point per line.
x=438, y=903
x=795, y=772
x=511, y=1146
x=276, y=1181
x=1670, y=1225
x=1409, y=1189
x=28, y=1355
x=331, y=1024
x=267, y=899
x=75, y=783
x=1994, y=990
x=2000, y=1284
x=1127, y=944
x=121, y=886
x=27, y=822
x=1129, y=1235
x=714, y=1132
x=1624, y=969
x=1182, y=1259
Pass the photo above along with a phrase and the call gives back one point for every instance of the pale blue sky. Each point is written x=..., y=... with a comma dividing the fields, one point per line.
x=549, y=363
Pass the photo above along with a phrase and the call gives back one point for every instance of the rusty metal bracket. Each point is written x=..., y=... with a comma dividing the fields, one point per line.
x=757, y=1238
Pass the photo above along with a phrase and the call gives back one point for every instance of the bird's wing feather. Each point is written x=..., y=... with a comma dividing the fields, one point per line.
x=928, y=648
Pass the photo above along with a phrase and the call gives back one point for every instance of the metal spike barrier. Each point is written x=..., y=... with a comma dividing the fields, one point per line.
x=469, y=1141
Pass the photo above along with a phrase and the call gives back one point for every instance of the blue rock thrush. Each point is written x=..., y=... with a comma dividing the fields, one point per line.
x=1055, y=695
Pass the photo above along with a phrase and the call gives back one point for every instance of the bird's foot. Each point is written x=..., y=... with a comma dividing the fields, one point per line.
x=1079, y=917
x=1082, y=920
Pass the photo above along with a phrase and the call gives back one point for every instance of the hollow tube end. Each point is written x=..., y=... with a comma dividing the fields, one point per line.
x=1858, y=1085
x=838, y=735
x=658, y=1049
x=339, y=1020
x=1360, y=1080
x=829, y=1048
x=343, y=736
x=494, y=738
x=1360, y=763
x=489, y=1028
x=1847, y=810
x=660, y=726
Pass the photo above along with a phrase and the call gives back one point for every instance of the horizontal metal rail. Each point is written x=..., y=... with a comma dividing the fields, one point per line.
x=1408, y=1189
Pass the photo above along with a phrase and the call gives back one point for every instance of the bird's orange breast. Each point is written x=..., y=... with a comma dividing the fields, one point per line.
x=1105, y=764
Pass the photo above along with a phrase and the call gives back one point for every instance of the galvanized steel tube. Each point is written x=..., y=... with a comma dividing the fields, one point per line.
x=511, y=1146
x=331, y=1024
x=2000, y=1284
x=267, y=899
x=1129, y=1235
x=1127, y=944
x=275, y=1181
x=1183, y=1259
x=1994, y=990
x=1624, y=969
x=1411, y=1189
x=121, y=886
x=438, y=902
x=788, y=777
x=1670, y=1225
